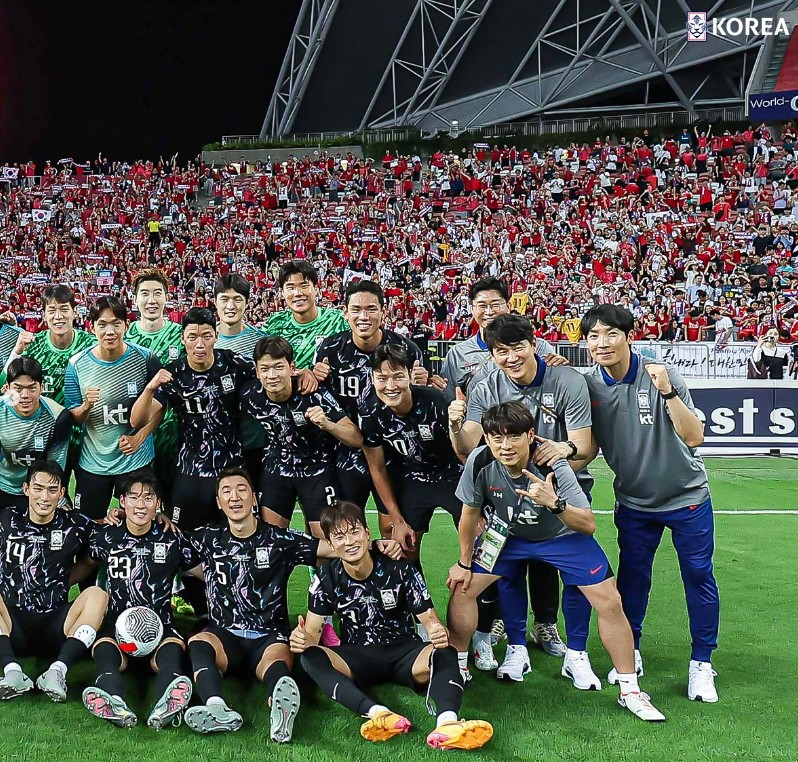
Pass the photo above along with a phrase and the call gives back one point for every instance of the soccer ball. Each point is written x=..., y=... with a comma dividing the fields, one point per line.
x=138, y=631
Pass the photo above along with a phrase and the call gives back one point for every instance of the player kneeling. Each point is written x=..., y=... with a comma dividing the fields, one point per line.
x=376, y=599
x=529, y=515
x=141, y=560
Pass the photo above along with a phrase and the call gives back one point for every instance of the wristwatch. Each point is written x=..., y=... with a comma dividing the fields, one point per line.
x=574, y=449
x=559, y=505
x=670, y=395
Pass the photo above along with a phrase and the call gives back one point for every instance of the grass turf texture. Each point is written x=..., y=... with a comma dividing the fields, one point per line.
x=545, y=717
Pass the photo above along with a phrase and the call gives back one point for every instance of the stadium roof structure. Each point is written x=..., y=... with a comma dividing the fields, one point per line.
x=353, y=65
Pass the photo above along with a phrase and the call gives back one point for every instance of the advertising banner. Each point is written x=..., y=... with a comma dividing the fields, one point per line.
x=744, y=417
x=764, y=106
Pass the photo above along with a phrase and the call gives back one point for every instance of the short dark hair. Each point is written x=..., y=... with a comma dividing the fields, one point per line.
x=143, y=476
x=508, y=418
x=49, y=467
x=298, y=267
x=364, y=287
x=394, y=354
x=341, y=513
x=509, y=329
x=489, y=284
x=232, y=282
x=112, y=303
x=234, y=471
x=24, y=366
x=276, y=347
x=612, y=315
x=59, y=294
x=198, y=316
x=150, y=273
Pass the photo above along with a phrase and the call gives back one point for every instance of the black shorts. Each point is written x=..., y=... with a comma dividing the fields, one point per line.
x=38, y=633
x=280, y=493
x=244, y=653
x=93, y=492
x=383, y=662
x=194, y=501
x=418, y=501
x=356, y=488
x=17, y=502
x=254, y=466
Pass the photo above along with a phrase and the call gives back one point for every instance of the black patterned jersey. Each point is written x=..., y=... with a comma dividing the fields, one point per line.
x=37, y=558
x=206, y=406
x=247, y=577
x=139, y=570
x=294, y=446
x=420, y=440
x=375, y=610
x=350, y=382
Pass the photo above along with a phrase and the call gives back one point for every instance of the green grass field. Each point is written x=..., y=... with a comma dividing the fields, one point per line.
x=544, y=718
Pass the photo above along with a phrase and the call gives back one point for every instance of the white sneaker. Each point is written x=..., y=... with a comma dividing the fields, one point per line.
x=612, y=677
x=466, y=675
x=576, y=666
x=639, y=704
x=516, y=664
x=701, y=682
x=484, y=660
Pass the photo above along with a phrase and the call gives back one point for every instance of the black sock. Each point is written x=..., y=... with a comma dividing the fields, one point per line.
x=277, y=670
x=445, y=685
x=544, y=591
x=108, y=663
x=207, y=676
x=335, y=685
x=169, y=660
x=194, y=593
x=72, y=651
x=6, y=652
x=487, y=607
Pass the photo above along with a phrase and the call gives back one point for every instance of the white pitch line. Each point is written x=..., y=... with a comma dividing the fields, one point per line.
x=774, y=512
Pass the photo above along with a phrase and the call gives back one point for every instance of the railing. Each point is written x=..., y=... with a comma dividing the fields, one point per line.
x=693, y=359
x=556, y=123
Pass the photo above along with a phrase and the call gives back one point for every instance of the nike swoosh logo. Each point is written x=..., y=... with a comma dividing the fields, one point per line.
x=597, y=569
x=693, y=507
x=335, y=692
x=456, y=685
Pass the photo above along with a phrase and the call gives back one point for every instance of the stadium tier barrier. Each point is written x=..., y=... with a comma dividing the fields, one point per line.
x=693, y=359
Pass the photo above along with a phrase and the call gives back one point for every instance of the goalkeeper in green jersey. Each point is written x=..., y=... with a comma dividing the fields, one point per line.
x=162, y=337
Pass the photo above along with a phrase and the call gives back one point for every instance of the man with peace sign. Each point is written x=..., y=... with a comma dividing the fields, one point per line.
x=539, y=512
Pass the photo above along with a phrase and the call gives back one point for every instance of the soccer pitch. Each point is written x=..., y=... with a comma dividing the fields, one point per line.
x=544, y=718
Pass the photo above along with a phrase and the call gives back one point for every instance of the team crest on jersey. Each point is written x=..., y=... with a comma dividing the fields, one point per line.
x=262, y=558
x=132, y=389
x=159, y=552
x=227, y=384
x=496, y=492
x=175, y=512
x=548, y=400
x=299, y=417
x=319, y=340
x=56, y=539
x=174, y=353
x=644, y=405
x=388, y=599
x=425, y=431
x=38, y=443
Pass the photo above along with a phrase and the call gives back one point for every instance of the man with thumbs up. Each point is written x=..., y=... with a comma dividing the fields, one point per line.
x=534, y=511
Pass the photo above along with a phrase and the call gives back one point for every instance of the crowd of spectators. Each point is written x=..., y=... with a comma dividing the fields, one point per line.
x=697, y=234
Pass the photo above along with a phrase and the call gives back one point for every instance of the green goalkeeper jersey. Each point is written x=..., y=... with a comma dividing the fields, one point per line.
x=305, y=338
x=167, y=346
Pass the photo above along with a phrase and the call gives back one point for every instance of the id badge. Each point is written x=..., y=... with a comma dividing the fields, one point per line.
x=491, y=542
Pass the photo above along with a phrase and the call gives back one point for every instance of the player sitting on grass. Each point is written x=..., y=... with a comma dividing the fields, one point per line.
x=376, y=599
x=534, y=512
x=140, y=560
x=39, y=550
x=247, y=564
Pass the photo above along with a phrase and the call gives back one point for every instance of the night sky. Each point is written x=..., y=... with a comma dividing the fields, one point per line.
x=135, y=79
